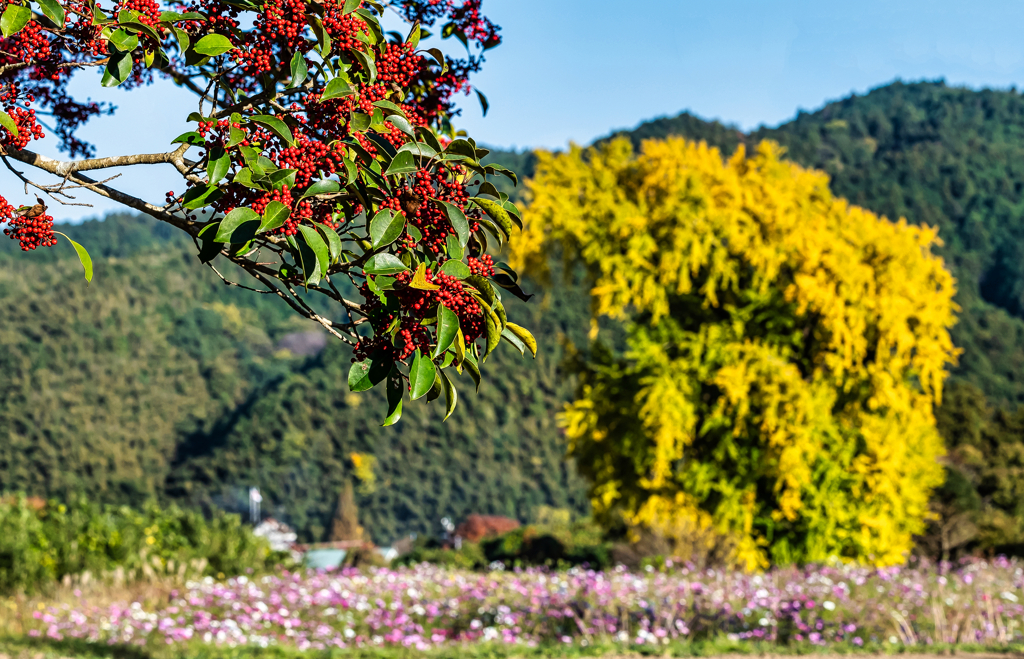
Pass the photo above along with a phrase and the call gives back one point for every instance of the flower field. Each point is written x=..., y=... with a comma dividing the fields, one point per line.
x=427, y=607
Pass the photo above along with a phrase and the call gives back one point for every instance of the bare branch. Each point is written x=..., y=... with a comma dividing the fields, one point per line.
x=54, y=167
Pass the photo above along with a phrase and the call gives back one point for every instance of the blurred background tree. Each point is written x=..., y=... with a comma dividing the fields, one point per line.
x=785, y=350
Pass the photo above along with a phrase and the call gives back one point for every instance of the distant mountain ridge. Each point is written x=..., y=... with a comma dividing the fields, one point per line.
x=945, y=156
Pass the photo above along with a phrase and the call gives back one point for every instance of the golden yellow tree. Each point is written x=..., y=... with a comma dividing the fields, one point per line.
x=785, y=350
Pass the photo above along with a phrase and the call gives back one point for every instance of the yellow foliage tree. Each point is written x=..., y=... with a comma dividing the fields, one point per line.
x=785, y=350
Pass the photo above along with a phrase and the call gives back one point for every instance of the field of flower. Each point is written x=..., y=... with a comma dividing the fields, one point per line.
x=426, y=608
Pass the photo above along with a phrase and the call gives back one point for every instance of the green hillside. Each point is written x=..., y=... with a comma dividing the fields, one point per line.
x=159, y=381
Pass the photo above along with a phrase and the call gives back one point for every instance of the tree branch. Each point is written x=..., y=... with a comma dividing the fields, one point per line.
x=67, y=171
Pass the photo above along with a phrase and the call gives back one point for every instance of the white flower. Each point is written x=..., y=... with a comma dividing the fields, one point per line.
x=829, y=606
x=1008, y=596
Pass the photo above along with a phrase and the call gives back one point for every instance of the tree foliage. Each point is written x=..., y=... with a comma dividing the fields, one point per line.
x=325, y=161
x=785, y=349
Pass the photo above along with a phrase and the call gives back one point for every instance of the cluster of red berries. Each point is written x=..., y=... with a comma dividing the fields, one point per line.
x=431, y=219
x=31, y=232
x=28, y=128
x=278, y=29
x=399, y=64
x=483, y=265
x=342, y=27
x=415, y=304
x=148, y=10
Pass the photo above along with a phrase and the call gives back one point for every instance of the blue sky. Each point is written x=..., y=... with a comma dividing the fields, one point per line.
x=573, y=70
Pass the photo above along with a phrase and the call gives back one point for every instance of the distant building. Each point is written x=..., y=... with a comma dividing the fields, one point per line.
x=280, y=536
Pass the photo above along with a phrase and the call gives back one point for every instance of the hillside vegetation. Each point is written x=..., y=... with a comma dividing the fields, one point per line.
x=158, y=381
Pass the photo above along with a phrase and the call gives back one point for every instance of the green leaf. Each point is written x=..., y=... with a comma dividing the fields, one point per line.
x=367, y=63
x=359, y=122
x=199, y=196
x=83, y=256
x=385, y=227
x=447, y=330
x=404, y=163
x=473, y=369
x=451, y=395
x=317, y=244
x=421, y=375
x=282, y=177
x=396, y=389
x=461, y=147
x=119, y=67
x=437, y=388
x=458, y=220
x=496, y=213
x=235, y=135
x=213, y=44
x=142, y=27
x=439, y=56
x=191, y=137
x=414, y=36
x=233, y=221
x=7, y=122
x=278, y=127
x=455, y=250
x=218, y=164
x=456, y=269
x=307, y=260
x=274, y=216
x=53, y=11
x=483, y=102
x=325, y=186
x=14, y=19
x=367, y=374
x=299, y=69
x=383, y=264
x=523, y=335
x=123, y=41
x=514, y=340
x=418, y=149
x=333, y=241
x=244, y=177
x=402, y=124
x=336, y=88
x=351, y=6
x=183, y=38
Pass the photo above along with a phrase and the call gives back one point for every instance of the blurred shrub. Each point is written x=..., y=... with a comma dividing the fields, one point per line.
x=43, y=544
x=560, y=545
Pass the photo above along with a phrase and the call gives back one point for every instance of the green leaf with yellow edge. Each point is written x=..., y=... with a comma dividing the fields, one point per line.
x=523, y=335
x=451, y=395
x=514, y=340
x=396, y=390
x=7, y=122
x=496, y=213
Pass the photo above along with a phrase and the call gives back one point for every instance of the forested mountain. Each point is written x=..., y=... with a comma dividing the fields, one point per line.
x=158, y=380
